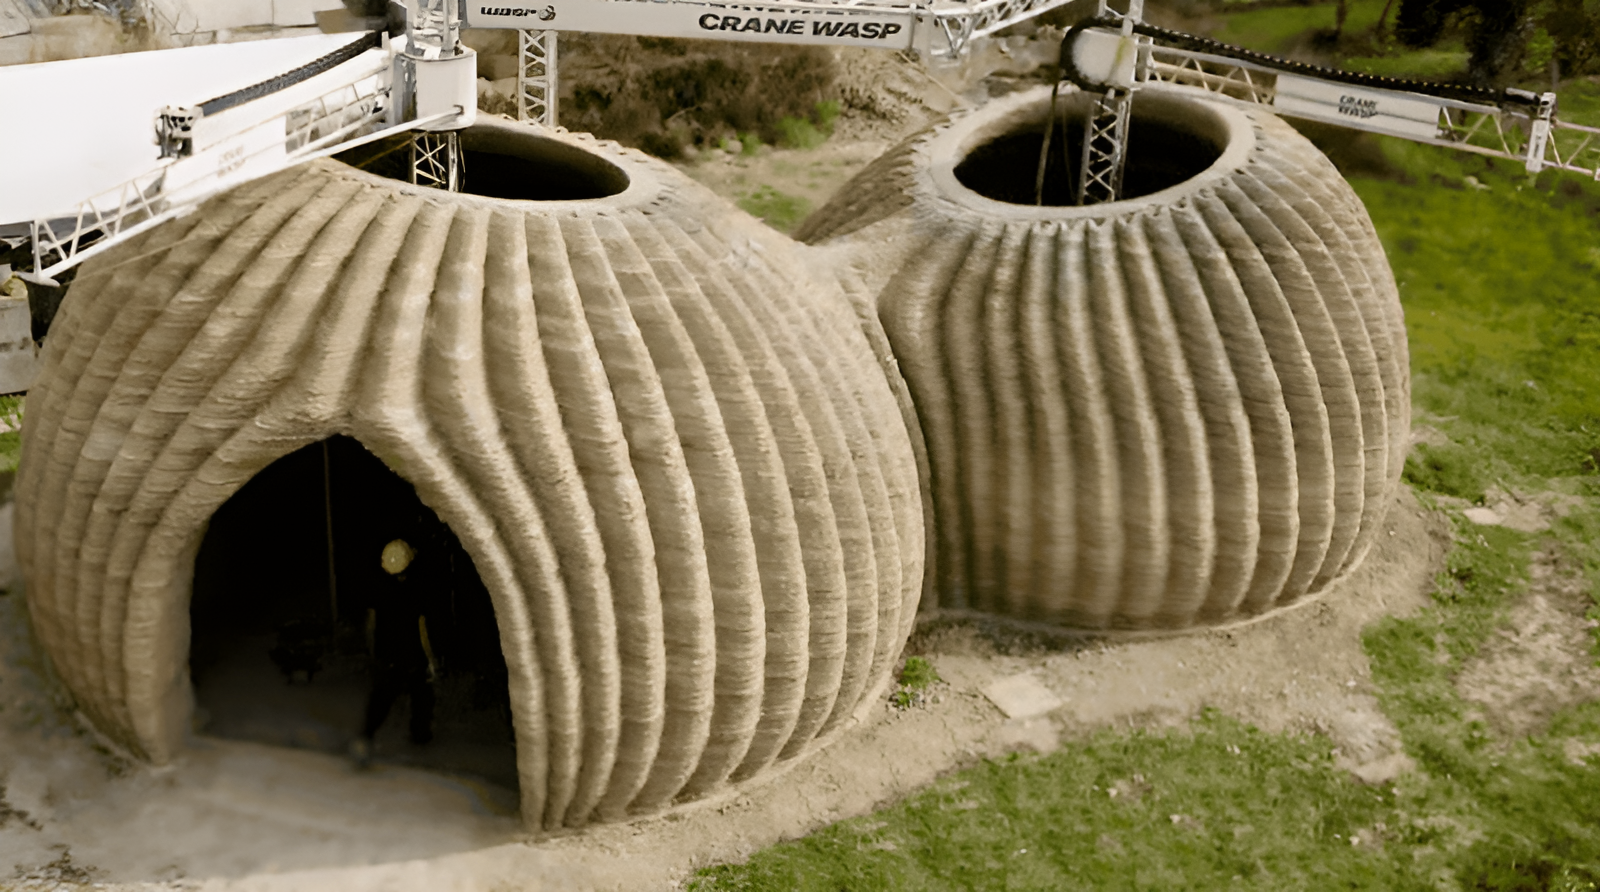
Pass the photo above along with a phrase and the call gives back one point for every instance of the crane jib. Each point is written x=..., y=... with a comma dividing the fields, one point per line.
x=841, y=26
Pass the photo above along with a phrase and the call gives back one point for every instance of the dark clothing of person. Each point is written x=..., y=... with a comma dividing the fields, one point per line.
x=400, y=664
x=398, y=604
x=388, y=683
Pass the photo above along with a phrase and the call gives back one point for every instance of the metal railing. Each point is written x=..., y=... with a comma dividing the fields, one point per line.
x=1539, y=140
x=335, y=119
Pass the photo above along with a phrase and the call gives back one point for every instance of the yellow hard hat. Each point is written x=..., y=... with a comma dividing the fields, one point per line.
x=397, y=556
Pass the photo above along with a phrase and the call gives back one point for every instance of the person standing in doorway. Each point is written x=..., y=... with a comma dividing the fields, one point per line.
x=397, y=638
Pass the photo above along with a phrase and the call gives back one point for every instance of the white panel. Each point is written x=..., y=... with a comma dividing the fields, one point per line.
x=254, y=153
x=443, y=85
x=845, y=27
x=1362, y=108
x=103, y=116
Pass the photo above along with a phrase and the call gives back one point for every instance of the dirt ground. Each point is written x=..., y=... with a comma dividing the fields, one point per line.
x=243, y=816
x=1540, y=662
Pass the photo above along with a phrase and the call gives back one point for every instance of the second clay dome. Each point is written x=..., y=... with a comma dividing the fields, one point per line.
x=1187, y=407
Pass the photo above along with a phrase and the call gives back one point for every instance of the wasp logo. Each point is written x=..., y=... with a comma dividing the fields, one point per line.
x=545, y=15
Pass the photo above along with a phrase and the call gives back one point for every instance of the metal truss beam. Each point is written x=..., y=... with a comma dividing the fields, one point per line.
x=1105, y=148
x=1539, y=141
x=436, y=31
x=436, y=159
x=537, y=85
x=942, y=28
x=961, y=23
x=332, y=120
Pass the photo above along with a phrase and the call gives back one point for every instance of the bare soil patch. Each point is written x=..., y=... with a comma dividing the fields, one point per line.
x=1541, y=662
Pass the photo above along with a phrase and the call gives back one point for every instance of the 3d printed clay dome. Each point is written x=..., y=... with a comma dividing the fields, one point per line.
x=671, y=452
x=1186, y=407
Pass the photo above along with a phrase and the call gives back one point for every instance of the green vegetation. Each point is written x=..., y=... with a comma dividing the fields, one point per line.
x=1281, y=28
x=1217, y=806
x=1499, y=814
x=1499, y=278
x=664, y=94
x=916, y=677
x=779, y=210
x=806, y=133
x=10, y=432
x=918, y=674
x=1429, y=64
x=746, y=144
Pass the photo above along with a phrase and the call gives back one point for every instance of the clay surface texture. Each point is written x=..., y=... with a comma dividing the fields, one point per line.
x=675, y=458
x=1185, y=408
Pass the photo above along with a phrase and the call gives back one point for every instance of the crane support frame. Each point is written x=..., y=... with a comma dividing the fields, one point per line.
x=235, y=145
x=941, y=28
x=1105, y=146
x=1475, y=127
x=537, y=68
x=1112, y=54
x=436, y=159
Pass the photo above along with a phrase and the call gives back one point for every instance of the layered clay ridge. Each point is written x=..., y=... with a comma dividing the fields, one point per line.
x=675, y=459
x=1184, y=409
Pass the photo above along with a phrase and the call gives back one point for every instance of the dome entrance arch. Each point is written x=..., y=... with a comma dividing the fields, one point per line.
x=291, y=618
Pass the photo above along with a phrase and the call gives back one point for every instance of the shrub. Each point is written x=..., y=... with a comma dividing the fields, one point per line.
x=662, y=94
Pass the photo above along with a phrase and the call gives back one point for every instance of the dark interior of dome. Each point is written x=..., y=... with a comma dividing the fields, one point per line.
x=284, y=653
x=498, y=164
x=1160, y=156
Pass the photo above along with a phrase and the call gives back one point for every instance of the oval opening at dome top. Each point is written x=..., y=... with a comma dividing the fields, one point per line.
x=506, y=161
x=1163, y=151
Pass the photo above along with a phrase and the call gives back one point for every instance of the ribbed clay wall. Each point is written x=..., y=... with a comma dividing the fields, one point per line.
x=671, y=451
x=1184, y=408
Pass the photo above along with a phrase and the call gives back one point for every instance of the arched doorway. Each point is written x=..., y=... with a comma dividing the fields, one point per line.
x=286, y=581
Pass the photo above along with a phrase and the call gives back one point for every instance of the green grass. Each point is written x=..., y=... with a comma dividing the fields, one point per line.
x=779, y=210
x=916, y=677
x=1279, y=28
x=1429, y=64
x=1501, y=287
x=1280, y=816
x=1499, y=815
x=11, y=438
x=1580, y=102
x=918, y=674
x=803, y=133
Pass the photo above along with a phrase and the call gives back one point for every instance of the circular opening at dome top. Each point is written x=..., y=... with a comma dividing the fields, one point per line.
x=506, y=161
x=1168, y=143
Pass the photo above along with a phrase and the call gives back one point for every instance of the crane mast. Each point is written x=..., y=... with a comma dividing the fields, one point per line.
x=435, y=74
